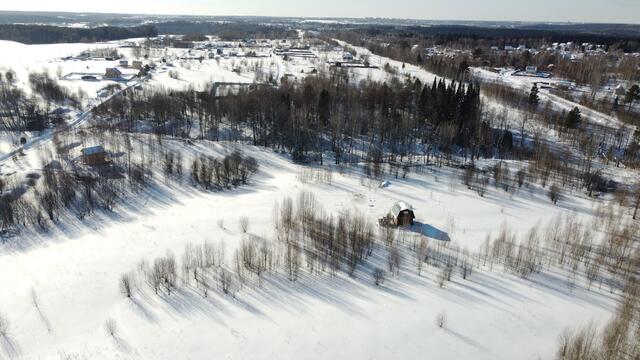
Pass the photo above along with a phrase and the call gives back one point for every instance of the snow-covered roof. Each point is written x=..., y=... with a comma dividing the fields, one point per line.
x=399, y=207
x=93, y=150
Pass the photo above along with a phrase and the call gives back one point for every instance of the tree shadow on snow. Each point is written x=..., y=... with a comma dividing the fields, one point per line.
x=10, y=347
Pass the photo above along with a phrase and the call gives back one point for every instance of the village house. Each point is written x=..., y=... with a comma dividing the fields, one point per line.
x=401, y=214
x=112, y=73
x=136, y=64
x=347, y=56
x=124, y=63
x=94, y=155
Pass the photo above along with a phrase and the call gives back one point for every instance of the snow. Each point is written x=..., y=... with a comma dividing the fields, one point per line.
x=24, y=59
x=74, y=272
x=525, y=83
x=71, y=272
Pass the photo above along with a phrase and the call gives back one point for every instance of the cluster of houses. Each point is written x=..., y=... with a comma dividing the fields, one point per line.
x=116, y=72
x=444, y=52
x=222, y=49
x=568, y=51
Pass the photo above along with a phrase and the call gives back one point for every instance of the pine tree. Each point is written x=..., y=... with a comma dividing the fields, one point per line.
x=324, y=105
x=534, y=99
x=573, y=118
x=633, y=94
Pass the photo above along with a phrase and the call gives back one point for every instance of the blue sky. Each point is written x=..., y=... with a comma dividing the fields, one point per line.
x=626, y=11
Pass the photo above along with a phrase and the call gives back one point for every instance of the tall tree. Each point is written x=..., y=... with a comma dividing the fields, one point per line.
x=534, y=99
x=632, y=95
x=573, y=118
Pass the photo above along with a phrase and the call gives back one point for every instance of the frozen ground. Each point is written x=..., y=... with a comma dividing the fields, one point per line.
x=74, y=270
x=63, y=284
x=525, y=83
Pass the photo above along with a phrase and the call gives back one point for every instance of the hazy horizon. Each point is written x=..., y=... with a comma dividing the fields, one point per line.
x=563, y=11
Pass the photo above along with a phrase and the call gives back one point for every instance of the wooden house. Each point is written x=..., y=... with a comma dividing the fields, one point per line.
x=401, y=214
x=94, y=155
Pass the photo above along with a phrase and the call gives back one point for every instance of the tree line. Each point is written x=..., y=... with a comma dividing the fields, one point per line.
x=321, y=114
x=46, y=34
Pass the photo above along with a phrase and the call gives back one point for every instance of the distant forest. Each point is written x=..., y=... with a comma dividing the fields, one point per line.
x=46, y=34
x=626, y=37
x=231, y=31
x=42, y=34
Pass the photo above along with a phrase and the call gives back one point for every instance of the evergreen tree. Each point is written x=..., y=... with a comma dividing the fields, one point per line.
x=633, y=94
x=573, y=118
x=324, y=103
x=534, y=99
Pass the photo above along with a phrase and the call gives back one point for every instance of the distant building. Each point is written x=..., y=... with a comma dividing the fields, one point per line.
x=94, y=155
x=347, y=56
x=124, y=63
x=620, y=90
x=136, y=64
x=112, y=73
x=531, y=69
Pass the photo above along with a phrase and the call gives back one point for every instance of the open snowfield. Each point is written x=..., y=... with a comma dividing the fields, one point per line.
x=63, y=285
x=24, y=59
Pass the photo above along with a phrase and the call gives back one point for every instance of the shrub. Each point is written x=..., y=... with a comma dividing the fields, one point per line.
x=111, y=326
x=441, y=319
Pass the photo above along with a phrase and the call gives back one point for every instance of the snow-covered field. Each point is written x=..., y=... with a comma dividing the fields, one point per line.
x=72, y=273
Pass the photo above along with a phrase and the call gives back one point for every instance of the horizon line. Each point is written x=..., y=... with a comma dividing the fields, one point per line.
x=553, y=22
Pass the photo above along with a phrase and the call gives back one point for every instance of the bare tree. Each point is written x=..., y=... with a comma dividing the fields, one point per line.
x=225, y=280
x=637, y=202
x=378, y=276
x=126, y=285
x=244, y=223
x=4, y=325
x=441, y=319
x=554, y=193
x=111, y=326
x=444, y=276
x=393, y=260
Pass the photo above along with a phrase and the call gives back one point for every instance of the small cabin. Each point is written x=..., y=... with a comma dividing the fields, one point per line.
x=401, y=214
x=124, y=63
x=94, y=155
x=136, y=64
x=531, y=69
